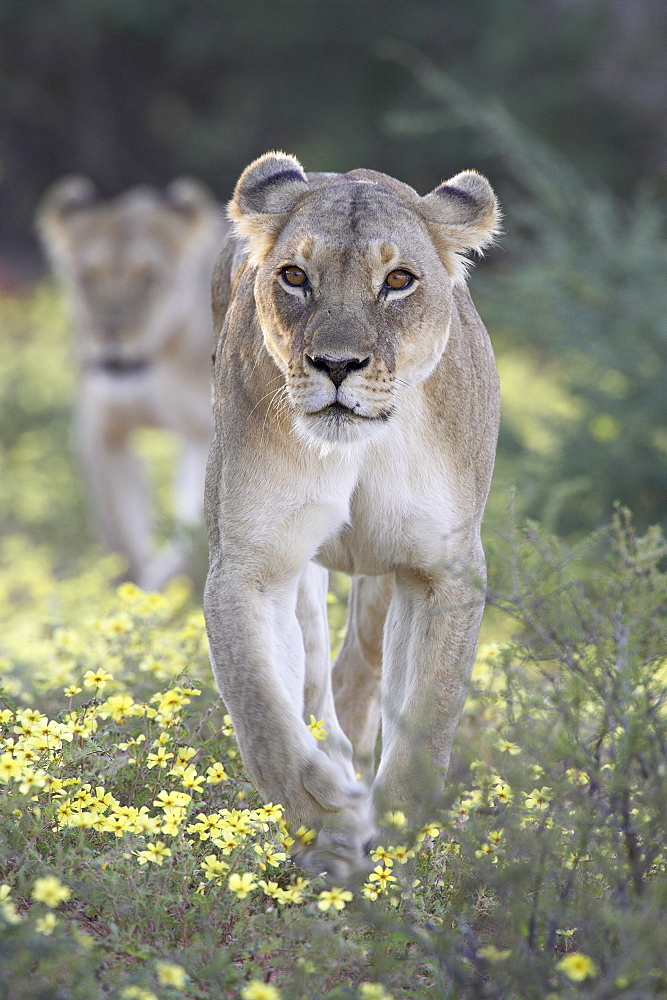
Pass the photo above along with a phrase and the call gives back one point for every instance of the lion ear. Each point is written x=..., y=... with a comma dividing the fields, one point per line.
x=190, y=198
x=198, y=211
x=266, y=192
x=62, y=202
x=462, y=215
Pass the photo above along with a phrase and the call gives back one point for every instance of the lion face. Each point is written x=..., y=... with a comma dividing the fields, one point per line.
x=354, y=285
x=119, y=277
x=128, y=264
x=348, y=299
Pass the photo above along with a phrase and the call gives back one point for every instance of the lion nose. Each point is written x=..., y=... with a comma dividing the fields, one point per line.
x=337, y=368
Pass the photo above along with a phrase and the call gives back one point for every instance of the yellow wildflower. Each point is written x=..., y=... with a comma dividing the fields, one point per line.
x=215, y=773
x=401, y=853
x=269, y=856
x=493, y=955
x=155, y=852
x=334, y=897
x=502, y=793
x=137, y=993
x=117, y=824
x=132, y=742
x=381, y=853
x=173, y=818
x=257, y=990
x=129, y=592
x=396, y=818
x=270, y=812
x=305, y=836
x=214, y=869
x=10, y=767
x=8, y=911
x=294, y=893
x=382, y=876
x=167, y=800
x=373, y=991
x=50, y=891
x=242, y=885
x=538, y=798
x=226, y=842
x=183, y=756
x=189, y=777
x=577, y=967
x=487, y=850
x=46, y=924
x=316, y=727
x=96, y=678
x=506, y=747
x=170, y=974
x=429, y=830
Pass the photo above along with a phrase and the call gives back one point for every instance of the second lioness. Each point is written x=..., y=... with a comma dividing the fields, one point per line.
x=136, y=270
x=356, y=416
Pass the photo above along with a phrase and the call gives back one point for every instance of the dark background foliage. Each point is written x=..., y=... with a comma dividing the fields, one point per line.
x=135, y=91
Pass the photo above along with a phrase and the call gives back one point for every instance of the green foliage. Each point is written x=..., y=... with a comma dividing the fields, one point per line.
x=582, y=295
x=140, y=90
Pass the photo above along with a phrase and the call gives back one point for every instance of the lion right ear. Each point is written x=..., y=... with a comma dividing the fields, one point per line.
x=60, y=205
x=266, y=192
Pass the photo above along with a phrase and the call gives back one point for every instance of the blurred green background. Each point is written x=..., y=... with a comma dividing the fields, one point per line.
x=562, y=103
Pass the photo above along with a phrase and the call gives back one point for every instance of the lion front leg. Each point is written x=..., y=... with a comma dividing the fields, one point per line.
x=258, y=657
x=429, y=649
x=116, y=485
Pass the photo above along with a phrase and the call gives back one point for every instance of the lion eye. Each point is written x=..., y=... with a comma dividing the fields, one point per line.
x=294, y=276
x=399, y=279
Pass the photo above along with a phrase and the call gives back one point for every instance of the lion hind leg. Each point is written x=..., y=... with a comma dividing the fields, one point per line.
x=357, y=672
x=117, y=491
x=430, y=641
x=319, y=702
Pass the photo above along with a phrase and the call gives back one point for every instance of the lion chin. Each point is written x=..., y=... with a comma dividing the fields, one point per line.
x=338, y=425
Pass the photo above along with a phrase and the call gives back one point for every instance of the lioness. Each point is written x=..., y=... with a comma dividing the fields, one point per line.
x=356, y=416
x=137, y=270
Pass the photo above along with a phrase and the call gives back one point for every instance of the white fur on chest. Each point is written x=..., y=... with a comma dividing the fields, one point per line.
x=403, y=510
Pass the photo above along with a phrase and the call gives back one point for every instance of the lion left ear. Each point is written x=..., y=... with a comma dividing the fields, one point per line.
x=266, y=192
x=462, y=215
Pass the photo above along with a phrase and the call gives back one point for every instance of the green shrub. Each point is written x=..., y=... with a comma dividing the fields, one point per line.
x=579, y=291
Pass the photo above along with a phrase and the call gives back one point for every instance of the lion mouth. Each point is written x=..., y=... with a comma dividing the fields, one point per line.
x=338, y=411
x=337, y=424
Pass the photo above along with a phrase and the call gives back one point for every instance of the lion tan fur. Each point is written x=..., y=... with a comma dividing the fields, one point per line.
x=356, y=414
x=136, y=271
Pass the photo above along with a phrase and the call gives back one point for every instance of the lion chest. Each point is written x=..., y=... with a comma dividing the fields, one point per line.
x=404, y=511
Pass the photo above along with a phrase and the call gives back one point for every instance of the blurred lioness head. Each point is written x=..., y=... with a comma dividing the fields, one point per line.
x=132, y=266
